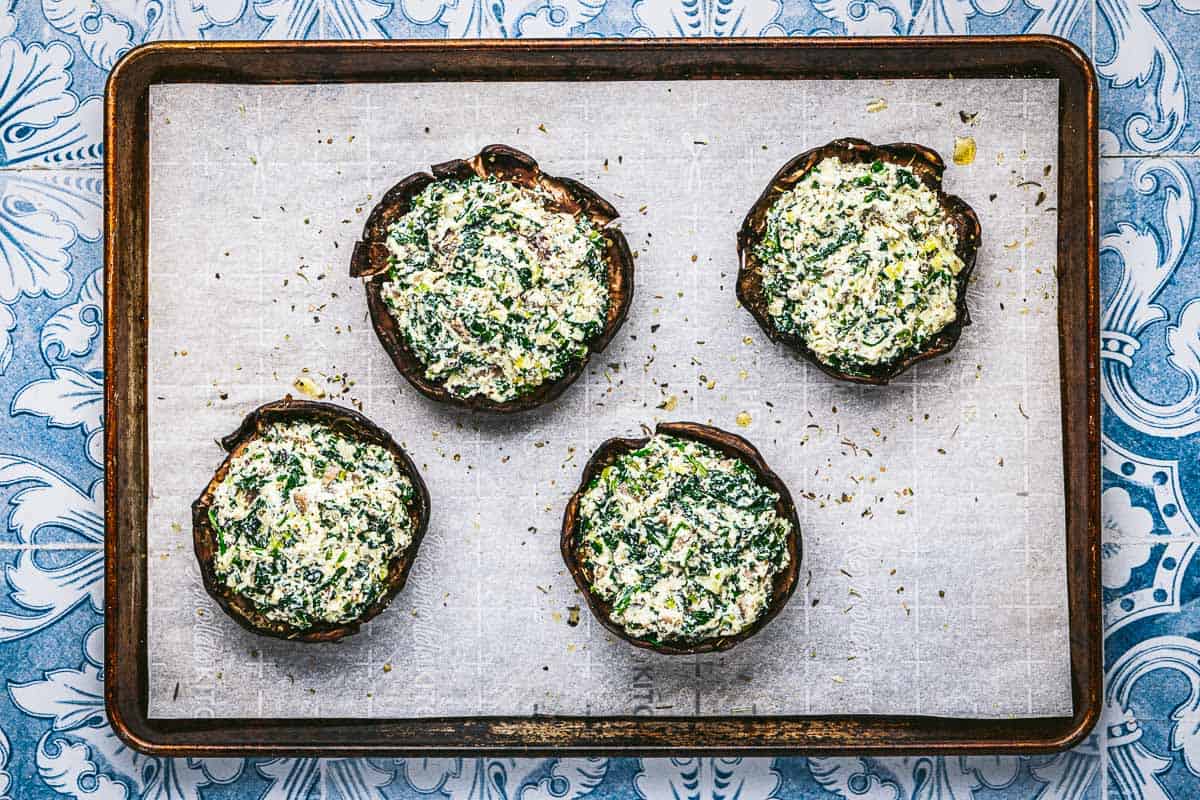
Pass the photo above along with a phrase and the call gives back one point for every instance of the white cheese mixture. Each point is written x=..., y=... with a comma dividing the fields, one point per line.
x=683, y=540
x=307, y=521
x=859, y=261
x=494, y=291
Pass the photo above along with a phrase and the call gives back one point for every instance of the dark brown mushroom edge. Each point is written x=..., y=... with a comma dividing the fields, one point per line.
x=371, y=260
x=783, y=582
x=206, y=540
x=925, y=166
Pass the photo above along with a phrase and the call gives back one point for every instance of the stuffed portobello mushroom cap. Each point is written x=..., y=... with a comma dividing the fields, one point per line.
x=498, y=170
x=781, y=577
x=356, y=449
x=888, y=175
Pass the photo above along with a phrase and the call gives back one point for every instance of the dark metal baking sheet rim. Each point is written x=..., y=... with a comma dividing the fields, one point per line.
x=125, y=249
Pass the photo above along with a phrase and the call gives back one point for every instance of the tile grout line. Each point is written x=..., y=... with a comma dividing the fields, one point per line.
x=49, y=546
x=37, y=169
x=1184, y=155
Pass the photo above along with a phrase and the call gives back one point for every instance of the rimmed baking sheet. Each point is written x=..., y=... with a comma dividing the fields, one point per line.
x=129, y=659
x=934, y=576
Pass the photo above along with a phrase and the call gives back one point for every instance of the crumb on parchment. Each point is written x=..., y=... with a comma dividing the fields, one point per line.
x=964, y=150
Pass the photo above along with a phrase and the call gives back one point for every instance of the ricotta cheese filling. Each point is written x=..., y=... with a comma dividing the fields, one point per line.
x=495, y=291
x=307, y=521
x=683, y=540
x=859, y=261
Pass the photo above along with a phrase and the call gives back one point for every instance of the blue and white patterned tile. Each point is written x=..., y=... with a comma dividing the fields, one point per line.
x=55, y=530
x=1066, y=776
x=1069, y=19
x=32, y=645
x=51, y=367
x=1150, y=328
x=50, y=109
x=1149, y=70
x=1152, y=691
x=476, y=19
x=61, y=744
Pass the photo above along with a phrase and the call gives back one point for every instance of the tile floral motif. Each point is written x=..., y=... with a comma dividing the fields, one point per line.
x=42, y=122
x=54, y=741
x=1144, y=58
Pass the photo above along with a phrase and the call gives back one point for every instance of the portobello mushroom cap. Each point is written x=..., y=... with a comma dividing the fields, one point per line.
x=729, y=444
x=370, y=261
x=204, y=537
x=928, y=167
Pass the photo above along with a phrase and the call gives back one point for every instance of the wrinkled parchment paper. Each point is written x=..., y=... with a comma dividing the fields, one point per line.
x=933, y=577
